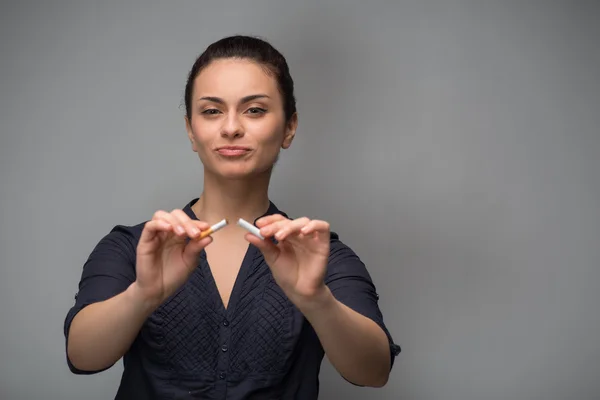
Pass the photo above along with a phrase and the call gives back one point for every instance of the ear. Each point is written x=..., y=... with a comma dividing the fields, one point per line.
x=290, y=131
x=188, y=128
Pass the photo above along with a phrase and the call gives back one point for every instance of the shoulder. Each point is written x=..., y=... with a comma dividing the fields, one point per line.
x=129, y=233
x=121, y=240
x=339, y=250
x=344, y=263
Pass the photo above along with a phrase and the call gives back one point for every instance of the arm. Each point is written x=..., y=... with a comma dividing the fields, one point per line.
x=356, y=346
x=101, y=302
x=102, y=332
x=332, y=288
x=123, y=282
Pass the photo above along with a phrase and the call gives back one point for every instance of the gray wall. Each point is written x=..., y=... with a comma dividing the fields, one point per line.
x=453, y=145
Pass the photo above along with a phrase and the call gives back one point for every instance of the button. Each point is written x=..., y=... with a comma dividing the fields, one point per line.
x=224, y=348
x=225, y=322
x=222, y=375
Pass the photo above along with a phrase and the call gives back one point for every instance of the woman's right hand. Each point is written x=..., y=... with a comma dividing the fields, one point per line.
x=165, y=258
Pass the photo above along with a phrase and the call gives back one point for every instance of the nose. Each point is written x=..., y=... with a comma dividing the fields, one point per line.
x=232, y=127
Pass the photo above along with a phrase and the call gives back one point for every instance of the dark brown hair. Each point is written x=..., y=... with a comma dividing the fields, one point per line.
x=251, y=48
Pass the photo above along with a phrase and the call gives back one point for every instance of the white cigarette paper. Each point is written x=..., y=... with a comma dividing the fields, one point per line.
x=218, y=225
x=250, y=228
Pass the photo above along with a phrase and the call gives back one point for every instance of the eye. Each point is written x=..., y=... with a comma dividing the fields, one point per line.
x=210, y=111
x=256, y=110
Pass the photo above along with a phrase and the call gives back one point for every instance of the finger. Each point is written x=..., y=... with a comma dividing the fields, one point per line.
x=293, y=227
x=269, y=250
x=150, y=232
x=203, y=226
x=158, y=215
x=269, y=219
x=192, y=251
x=178, y=229
x=186, y=223
x=270, y=229
x=152, y=228
x=315, y=226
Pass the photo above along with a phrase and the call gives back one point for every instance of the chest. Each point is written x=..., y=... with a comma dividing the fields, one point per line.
x=195, y=332
x=224, y=263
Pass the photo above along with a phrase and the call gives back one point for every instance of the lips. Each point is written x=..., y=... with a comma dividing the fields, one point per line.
x=233, y=151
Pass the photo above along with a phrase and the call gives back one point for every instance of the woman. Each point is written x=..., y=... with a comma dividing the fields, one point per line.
x=229, y=316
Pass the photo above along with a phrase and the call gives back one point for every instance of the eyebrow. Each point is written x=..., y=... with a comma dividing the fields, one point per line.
x=244, y=99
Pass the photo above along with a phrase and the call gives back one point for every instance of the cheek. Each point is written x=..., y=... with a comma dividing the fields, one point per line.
x=201, y=133
x=271, y=133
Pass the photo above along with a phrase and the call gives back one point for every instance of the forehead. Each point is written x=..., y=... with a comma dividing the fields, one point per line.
x=234, y=78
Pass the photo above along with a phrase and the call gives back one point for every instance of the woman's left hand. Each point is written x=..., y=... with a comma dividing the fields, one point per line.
x=298, y=261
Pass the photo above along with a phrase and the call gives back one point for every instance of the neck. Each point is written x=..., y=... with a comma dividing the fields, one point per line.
x=232, y=199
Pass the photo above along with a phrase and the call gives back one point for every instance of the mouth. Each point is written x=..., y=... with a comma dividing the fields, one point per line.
x=233, y=151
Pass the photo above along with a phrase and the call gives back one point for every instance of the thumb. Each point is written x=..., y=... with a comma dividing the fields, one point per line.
x=269, y=249
x=192, y=251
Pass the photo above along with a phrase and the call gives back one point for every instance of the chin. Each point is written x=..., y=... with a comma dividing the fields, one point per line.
x=235, y=177
x=240, y=174
x=237, y=170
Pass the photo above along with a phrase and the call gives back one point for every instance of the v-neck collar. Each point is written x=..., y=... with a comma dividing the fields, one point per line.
x=270, y=211
x=242, y=274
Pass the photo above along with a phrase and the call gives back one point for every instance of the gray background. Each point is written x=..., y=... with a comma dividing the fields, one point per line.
x=454, y=145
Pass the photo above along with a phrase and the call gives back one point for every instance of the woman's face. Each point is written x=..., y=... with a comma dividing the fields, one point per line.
x=237, y=122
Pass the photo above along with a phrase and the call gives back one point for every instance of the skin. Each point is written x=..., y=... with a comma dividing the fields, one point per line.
x=235, y=103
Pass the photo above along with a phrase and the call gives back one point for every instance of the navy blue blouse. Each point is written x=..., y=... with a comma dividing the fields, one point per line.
x=192, y=347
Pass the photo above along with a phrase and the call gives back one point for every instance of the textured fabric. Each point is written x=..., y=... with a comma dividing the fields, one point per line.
x=191, y=347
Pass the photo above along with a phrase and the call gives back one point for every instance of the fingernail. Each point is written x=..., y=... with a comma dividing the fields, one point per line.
x=195, y=231
x=180, y=229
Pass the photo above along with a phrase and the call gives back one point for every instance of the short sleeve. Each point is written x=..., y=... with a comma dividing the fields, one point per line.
x=350, y=282
x=108, y=271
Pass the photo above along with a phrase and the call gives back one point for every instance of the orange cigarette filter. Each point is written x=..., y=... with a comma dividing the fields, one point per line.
x=212, y=229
